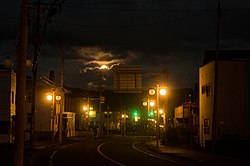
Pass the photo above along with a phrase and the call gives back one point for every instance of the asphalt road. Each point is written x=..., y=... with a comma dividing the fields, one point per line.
x=114, y=151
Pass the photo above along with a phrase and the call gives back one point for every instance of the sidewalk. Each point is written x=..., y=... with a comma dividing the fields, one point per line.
x=202, y=158
x=45, y=143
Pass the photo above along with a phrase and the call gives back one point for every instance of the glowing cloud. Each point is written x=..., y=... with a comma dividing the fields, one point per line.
x=94, y=59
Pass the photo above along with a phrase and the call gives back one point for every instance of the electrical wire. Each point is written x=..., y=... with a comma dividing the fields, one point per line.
x=131, y=26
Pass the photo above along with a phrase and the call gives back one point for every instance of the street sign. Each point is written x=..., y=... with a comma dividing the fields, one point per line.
x=102, y=99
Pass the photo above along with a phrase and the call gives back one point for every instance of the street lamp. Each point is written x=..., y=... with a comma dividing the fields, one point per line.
x=88, y=112
x=107, y=116
x=149, y=103
x=86, y=115
x=52, y=97
x=124, y=116
x=102, y=69
x=157, y=91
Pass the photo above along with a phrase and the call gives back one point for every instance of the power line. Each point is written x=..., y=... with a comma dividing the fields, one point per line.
x=117, y=2
x=136, y=9
x=133, y=25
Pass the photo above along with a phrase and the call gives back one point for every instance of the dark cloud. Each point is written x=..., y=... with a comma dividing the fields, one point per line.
x=158, y=34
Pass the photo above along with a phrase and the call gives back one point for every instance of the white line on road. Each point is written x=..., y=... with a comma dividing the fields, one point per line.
x=53, y=154
x=99, y=151
x=150, y=154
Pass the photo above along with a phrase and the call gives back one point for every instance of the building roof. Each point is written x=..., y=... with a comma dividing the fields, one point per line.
x=226, y=55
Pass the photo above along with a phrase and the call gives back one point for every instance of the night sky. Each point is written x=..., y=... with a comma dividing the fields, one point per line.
x=156, y=34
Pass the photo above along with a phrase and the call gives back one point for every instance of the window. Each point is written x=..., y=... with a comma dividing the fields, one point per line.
x=12, y=97
x=203, y=89
x=4, y=127
x=29, y=99
x=207, y=89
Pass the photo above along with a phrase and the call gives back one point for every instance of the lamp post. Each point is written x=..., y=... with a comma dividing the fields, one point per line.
x=87, y=109
x=52, y=97
x=103, y=68
x=150, y=103
x=157, y=91
x=124, y=116
x=108, y=114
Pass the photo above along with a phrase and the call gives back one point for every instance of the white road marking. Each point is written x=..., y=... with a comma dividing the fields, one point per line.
x=99, y=151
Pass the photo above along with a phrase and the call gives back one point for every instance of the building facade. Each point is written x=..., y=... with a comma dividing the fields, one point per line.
x=7, y=104
x=224, y=97
x=48, y=110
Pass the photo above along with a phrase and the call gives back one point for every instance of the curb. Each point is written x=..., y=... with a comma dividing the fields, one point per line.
x=177, y=155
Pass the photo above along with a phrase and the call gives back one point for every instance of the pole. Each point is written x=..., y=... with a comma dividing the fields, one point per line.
x=37, y=44
x=157, y=113
x=218, y=31
x=22, y=52
x=167, y=113
x=100, y=104
x=62, y=94
x=108, y=120
x=100, y=113
x=53, y=116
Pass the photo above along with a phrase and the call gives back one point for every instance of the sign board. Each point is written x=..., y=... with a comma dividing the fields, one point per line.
x=128, y=79
x=102, y=99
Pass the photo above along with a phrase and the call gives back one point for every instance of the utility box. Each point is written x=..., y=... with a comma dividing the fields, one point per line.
x=69, y=124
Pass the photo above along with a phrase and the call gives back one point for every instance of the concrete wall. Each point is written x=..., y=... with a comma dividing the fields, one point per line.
x=231, y=96
x=233, y=100
x=7, y=104
x=206, y=101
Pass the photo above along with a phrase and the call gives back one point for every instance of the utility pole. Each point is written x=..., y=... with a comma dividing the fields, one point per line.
x=22, y=52
x=167, y=114
x=157, y=116
x=218, y=30
x=37, y=50
x=62, y=93
x=38, y=40
x=100, y=112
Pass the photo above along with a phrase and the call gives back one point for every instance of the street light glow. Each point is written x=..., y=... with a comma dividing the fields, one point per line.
x=152, y=103
x=49, y=97
x=151, y=92
x=58, y=98
x=163, y=91
x=85, y=108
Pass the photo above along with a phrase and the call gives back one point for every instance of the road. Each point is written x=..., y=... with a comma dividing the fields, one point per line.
x=113, y=151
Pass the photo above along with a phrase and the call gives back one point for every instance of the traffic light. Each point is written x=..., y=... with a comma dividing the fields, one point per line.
x=135, y=113
x=151, y=114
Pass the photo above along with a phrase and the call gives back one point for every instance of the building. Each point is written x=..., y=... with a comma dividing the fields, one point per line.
x=186, y=123
x=187, y=115
x=50, y=103
x=7, y=104
x=224, y=98
x=47, y=112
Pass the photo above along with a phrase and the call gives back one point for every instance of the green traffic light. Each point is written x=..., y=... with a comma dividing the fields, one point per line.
x=151, y=114
x=135, y=114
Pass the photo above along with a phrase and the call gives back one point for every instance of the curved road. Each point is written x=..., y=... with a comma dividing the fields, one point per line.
x=116, y=151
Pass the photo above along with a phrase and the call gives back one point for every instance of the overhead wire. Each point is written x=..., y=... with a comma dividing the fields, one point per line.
x=115, y=2
x=132, y=25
